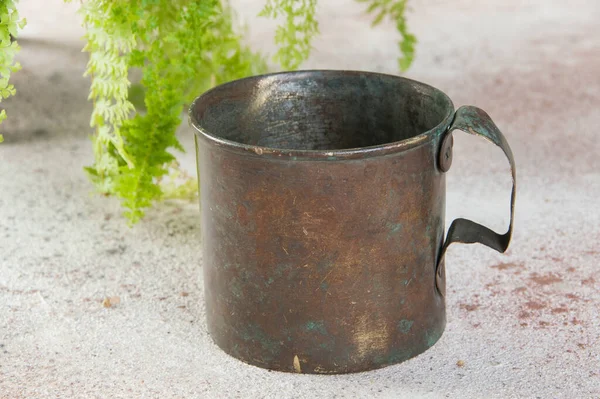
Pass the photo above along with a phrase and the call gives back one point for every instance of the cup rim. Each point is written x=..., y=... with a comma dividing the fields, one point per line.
x=332, y=154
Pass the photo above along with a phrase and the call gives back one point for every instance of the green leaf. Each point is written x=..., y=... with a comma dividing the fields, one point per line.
x=379, y=18
x=295, y=34
x=396, y=10
x=372, y=7
x=9, y=24
x=136, y=95
x=181, y=47
x=176, y=49
x=404, y=63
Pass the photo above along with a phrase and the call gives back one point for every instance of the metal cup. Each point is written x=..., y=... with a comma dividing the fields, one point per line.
x=322, y=198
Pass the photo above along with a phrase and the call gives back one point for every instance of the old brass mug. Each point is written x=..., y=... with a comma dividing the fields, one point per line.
x=322, y=204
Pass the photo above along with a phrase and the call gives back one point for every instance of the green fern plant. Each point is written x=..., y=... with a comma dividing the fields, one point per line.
x=295, y=35
x=395, y=10
x=181, y=48
x=110, y=41
x=10, y=23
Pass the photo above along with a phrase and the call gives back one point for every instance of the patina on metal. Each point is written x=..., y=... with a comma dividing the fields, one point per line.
x=322, y=201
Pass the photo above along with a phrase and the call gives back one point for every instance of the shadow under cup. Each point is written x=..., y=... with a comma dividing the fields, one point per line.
x=320, y=111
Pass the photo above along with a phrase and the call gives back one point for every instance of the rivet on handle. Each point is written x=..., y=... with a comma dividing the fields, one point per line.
x=445, y=155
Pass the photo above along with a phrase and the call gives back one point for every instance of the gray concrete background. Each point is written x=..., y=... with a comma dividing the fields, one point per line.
x=525, y=324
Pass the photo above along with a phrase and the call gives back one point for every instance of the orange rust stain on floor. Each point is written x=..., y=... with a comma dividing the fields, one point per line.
x=507, y=266
x=572, y=297
x=469, y=307
x=524, y=315
x=588, y=281
x=576, y=322
x=545, y=279
x=533, y=305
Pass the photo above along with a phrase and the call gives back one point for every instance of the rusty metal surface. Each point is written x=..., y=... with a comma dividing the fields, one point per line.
x=322, y=200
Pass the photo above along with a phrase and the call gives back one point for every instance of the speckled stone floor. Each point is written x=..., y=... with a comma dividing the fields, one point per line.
x=524, y=324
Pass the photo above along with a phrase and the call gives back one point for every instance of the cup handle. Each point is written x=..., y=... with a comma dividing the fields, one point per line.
x=477, y=122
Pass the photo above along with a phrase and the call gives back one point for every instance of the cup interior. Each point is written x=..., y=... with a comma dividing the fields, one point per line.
x=320, y=110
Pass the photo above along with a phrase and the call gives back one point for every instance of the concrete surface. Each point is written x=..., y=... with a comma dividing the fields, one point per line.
x=523, y=325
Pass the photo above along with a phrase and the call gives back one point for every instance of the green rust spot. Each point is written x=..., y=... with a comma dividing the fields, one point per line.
x=324, y=286
x=224, y=211
x=286, y=270
x=376, y=282
x=282, y=269
x=254, y=333
x=236, y=350
x=395, y=356
x=253, y=287
x=391, y=193
x=432, y=336
x=399, y=355
x=236, y=288
x=324, y=265
x=226, y=266
x=288, y=333
x=316, y=326
x=410, y=280
x=405, y=325
x=428, y=229
x=331, y=158
x=393, y=229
